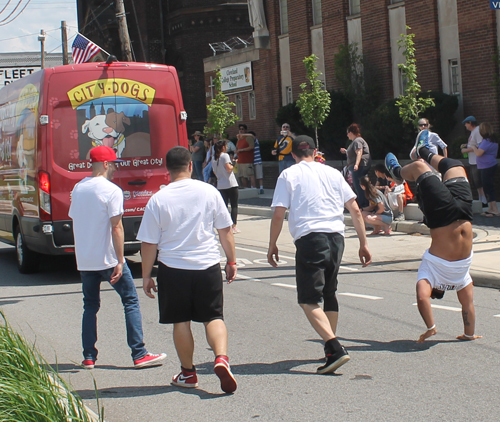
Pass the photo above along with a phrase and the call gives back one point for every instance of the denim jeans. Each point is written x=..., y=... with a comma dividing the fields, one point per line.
x=356, y=175
x=198, y=169
x=284, y=164
x=125, y=287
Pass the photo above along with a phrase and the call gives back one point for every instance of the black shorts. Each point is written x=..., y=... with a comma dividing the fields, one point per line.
x=189, y=295
x=317, y=263
x=442, y=203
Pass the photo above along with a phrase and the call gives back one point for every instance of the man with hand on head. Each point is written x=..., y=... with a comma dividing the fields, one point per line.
x=97, y=209
x=316, y=195
x=179, y=223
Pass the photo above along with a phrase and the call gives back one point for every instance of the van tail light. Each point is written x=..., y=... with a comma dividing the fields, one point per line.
x=44, y=196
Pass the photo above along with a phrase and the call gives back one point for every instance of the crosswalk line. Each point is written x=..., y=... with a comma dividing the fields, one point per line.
x=361, y=296
x=288, y=286
x=245, y=277
x=446, y=308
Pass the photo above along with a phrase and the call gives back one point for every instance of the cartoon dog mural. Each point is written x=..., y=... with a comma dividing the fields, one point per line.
x=109, y=130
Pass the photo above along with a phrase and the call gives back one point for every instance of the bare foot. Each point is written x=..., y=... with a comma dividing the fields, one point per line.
x=388, y=231
x=375, y=232
x=427, y=334
x=463, y=337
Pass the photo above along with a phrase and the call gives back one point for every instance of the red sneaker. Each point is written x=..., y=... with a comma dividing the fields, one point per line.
x=187, y=378
x=149, y=360
x=223, y=371
x=88, y=364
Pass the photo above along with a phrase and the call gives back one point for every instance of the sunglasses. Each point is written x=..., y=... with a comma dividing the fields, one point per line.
x=423, y=124
x=285, y=127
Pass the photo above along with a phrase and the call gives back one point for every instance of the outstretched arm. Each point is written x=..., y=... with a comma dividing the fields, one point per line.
x=357, y=219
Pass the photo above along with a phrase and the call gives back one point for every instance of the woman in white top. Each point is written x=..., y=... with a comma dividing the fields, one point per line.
x=226, y=180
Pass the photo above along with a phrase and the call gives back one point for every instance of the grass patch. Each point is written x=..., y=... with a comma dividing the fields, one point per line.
x=30, y=390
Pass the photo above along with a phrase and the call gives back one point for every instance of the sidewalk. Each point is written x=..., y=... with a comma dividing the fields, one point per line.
x=387, y=250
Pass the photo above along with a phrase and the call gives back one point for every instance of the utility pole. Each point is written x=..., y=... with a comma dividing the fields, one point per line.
x=123, y=31
x=41, y=38
x=64, y=37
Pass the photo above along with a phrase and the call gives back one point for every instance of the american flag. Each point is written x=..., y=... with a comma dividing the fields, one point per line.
x=83, y=49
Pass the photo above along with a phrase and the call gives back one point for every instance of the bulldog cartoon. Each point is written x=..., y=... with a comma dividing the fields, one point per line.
x=107, y=130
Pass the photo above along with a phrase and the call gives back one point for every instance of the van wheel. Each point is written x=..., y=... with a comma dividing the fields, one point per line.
x=27, y=260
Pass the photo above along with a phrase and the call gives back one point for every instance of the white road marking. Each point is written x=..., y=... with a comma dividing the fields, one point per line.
x=289, y=286
x=245, y=277
x=361, y=296
x=286, y=257
x=446, y=308
x=498, y=316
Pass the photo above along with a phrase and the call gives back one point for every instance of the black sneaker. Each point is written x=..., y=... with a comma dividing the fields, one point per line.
x=334, y=361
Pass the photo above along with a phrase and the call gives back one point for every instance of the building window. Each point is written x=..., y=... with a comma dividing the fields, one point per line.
x=354, y=7
x=252, y=110
x=284, y=16
x=396, y=1
x=239, y=106
x=454, y=77
x=317, y=16
x=289, y=95
x=403, y=82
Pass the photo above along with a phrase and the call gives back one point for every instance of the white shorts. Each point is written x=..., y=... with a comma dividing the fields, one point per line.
x=259, y=174
x=445, y=275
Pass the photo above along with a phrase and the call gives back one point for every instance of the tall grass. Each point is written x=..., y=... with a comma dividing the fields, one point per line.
x=30, y=391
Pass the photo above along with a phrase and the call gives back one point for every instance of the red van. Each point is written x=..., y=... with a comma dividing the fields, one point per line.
x=51, y=119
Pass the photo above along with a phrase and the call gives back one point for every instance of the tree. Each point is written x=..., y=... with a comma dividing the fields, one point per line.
x=220, y=113
x=313, y=102
x=410, y=104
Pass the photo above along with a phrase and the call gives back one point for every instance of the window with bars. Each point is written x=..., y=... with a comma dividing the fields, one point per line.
x=289, y=95
x=454, y=77
x=354, y=7
x=239, y=106
x=252, y=109
x=317, y=16
x=284, y=16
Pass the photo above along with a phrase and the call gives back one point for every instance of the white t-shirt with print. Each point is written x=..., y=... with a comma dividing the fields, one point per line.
x=315, y=194
x=475, y=139
x=180, y=219
x=94, y=201
x=225, y=179
x=434, y=142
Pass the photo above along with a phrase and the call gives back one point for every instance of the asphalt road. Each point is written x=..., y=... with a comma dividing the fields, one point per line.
x=273, y=350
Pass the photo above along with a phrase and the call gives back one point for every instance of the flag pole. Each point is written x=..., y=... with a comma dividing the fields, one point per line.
x=102, y=49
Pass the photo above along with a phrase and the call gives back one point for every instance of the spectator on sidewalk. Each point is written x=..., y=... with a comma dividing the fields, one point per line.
x=257, y=164
x=316, y=195
x=383, y=182
x=474, y=140
x=198, y=154
x=179, y=223
x=283, y=148
x=226, y=180
x=378, y=213
x=96, y=210
x=487, y=165
x=358, y=161
x=447, y=209
x=245, y=152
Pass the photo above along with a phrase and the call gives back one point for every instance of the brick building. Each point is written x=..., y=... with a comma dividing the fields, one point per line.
x=173, y=32
x=456, y=42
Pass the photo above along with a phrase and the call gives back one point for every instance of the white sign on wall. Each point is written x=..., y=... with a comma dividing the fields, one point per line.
x=236, y=77
x=11, y=74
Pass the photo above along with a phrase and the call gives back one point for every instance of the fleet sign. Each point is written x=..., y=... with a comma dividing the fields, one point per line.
x=10, y=74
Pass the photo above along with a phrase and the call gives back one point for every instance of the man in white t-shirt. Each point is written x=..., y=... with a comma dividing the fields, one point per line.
x=475, y=140
x=96, y=209
x=179, y=223
x=316, y=195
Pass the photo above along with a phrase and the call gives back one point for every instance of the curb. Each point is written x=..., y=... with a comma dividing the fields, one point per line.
x=481, y=278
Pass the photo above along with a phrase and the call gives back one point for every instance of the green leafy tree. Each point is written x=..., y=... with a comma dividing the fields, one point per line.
x=410, y=104
x=314, y=101
x=220, y=113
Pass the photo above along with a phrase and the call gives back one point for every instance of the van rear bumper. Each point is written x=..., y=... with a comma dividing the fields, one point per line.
x=56, y=238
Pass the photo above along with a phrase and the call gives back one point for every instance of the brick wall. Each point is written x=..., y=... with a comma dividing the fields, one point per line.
x=477, y=33
x=422, y=18
x=376, y=46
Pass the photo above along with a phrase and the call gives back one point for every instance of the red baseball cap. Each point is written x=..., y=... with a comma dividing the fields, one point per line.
x=103, y=153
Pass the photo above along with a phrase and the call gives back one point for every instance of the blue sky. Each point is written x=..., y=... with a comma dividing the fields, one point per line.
x=21, y=33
